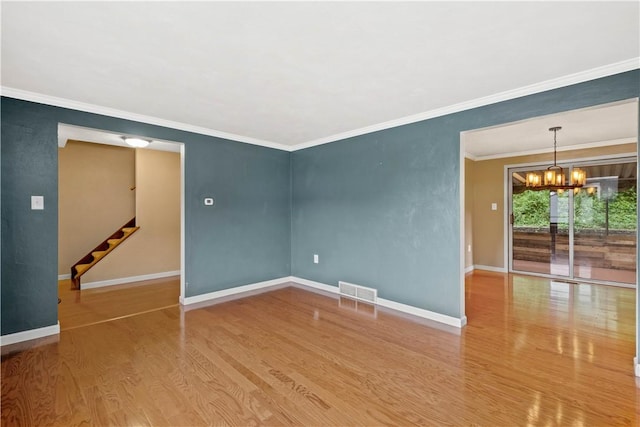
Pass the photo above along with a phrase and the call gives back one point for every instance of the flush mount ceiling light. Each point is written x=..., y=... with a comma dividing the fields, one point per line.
x=135, y=142
x=553, y=177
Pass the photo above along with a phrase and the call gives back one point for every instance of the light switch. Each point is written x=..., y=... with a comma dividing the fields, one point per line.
x=37, y=203
x=494, y=206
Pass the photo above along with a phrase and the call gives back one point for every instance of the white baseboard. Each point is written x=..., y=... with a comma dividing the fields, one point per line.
x=64, y=276
x=233, y=291
x=420, y=312
x=404, y=308
x=31, y=334
x=415, y=311
x=316, y=285
x=469, y=269
x=120, y=281
x=636, y=366
x=490, y=268
x=211, y=296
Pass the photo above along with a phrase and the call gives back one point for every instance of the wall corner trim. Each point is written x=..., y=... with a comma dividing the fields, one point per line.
x=31, y=334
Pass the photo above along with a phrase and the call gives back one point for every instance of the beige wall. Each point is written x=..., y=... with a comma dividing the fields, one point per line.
x=488, y=187
x=155, y=248
x=94, y=200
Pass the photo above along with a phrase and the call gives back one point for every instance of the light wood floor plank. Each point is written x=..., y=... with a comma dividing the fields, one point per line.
x=85, y=307
x=533, y=353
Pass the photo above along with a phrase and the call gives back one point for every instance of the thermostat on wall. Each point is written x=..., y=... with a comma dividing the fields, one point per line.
x=208, y=201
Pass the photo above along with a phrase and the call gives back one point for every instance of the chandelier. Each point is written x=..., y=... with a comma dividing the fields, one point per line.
x=553, y=177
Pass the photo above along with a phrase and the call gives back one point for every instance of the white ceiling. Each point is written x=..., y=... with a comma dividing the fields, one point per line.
x=611, y=124
x=293, y=74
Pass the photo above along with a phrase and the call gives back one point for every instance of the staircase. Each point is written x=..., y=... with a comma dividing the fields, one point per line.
x=101, y=251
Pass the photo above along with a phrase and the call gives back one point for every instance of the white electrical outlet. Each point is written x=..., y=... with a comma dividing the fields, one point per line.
x=469, y=248
x=494, y=206
x=316, y=259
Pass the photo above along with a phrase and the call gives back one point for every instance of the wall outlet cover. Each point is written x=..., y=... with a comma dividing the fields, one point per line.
x=37, y=202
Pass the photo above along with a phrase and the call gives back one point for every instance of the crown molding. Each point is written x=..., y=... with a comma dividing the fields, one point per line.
x=584, y=146
x=583, y=76
x=121, y=114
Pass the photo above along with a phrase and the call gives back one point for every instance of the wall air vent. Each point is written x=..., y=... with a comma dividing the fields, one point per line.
x=358, y=292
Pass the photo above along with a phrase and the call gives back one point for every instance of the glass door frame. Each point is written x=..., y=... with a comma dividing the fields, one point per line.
x=567, y=165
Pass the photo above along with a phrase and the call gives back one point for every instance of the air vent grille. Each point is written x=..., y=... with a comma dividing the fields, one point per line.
x=358, y=292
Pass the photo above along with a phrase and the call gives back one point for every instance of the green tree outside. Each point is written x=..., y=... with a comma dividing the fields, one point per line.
x=531, y=209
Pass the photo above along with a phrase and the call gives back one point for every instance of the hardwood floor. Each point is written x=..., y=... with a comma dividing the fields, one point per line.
x=533, y=353
x=89, y=306
x=582, y=272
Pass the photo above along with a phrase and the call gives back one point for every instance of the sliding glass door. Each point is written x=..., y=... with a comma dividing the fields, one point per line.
x=540, y=229
x=605, y=221
x=586, y=234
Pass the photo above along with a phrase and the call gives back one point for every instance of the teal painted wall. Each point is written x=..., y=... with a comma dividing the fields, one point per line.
x=382, y=209
x=244, y=238
x=29, y=238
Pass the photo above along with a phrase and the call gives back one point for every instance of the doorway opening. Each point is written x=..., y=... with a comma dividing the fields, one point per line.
x=599, y=137
x=587, y=234
x=103, y=183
